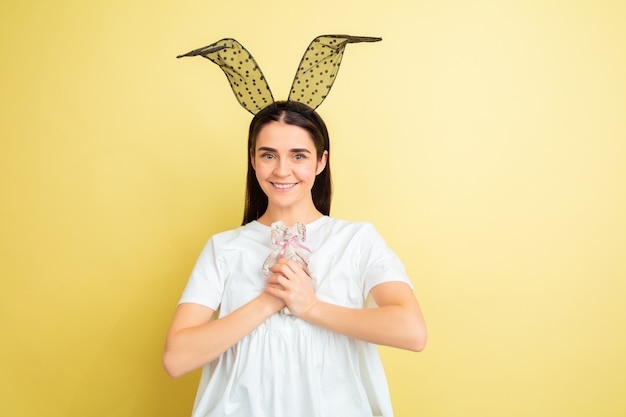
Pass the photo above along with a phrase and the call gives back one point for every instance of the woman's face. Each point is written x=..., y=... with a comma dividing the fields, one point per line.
x=286, y=163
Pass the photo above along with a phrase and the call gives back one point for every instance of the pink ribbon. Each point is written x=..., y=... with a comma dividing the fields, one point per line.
x=292, y=241
x=287, y=240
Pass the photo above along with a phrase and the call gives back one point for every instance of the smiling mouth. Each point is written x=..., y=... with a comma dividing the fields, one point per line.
x=284, y=186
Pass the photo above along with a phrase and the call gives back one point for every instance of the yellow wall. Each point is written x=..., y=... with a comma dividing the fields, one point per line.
x=486, y=140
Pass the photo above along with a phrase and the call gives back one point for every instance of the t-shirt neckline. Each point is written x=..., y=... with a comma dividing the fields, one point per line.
x=310, y=226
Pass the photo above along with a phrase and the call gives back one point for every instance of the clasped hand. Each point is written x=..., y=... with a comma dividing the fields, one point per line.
x=291, y=283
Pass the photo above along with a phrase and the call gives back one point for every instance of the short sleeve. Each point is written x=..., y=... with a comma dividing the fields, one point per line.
x=378, y=262
x=207, y=280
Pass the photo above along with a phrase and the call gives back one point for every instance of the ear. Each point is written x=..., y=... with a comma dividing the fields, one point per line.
x=252, y=160
x=321, y=164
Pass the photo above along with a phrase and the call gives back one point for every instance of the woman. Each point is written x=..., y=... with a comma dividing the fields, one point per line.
x=299, y=340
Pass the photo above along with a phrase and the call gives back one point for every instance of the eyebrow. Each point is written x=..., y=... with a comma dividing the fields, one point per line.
x=294, y=150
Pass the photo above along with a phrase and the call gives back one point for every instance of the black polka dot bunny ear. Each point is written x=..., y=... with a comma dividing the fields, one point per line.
x=314, y=78
x=242, y=71
x=318, y=68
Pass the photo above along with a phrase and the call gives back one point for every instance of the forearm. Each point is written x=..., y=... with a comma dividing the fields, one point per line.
x=192, y=347
x=392, y=325
x=397, y=321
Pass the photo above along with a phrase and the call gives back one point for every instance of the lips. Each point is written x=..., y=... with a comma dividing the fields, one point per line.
x=284, y=186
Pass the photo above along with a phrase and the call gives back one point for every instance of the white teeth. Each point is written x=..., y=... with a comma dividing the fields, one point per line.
x=283, y=186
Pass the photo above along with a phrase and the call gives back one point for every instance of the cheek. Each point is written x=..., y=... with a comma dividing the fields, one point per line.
x=259, y=172
x=308, y=172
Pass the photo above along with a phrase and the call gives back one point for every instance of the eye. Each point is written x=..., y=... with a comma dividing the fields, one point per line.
x=299, y=156
x=267, y=156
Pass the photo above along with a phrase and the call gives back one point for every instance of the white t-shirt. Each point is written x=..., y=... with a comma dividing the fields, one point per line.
x=288, y=367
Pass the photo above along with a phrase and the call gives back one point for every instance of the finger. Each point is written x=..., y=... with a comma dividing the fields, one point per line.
x=275, y=284
x=282, y=270
x=279, y=280
x=280, y=287
x=273, y=278
x=288, y=267
x=281, y=261
x=279, y=265
x=276, y=292
x=296, y=266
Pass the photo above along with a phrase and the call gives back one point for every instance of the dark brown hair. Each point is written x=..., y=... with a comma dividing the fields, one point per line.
x=296, y=114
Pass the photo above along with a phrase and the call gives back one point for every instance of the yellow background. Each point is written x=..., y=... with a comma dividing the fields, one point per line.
x=486, y=140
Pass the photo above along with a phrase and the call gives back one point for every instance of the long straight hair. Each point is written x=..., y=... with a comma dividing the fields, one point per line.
x=296, y=114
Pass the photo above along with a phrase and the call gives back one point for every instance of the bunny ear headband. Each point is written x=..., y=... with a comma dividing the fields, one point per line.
x=312, y=83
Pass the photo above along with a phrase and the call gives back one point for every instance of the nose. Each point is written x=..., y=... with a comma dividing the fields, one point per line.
x=282, y=168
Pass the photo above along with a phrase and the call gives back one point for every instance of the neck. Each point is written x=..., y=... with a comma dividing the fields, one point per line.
x=288, y=217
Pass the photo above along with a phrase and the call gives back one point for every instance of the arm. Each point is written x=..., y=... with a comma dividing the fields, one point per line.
x=195, y=339
x=396, y=322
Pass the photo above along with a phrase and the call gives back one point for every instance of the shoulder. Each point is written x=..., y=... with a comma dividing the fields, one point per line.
x=351, y=227
x=348, y=231
x=251, y=230
x=240, y=238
